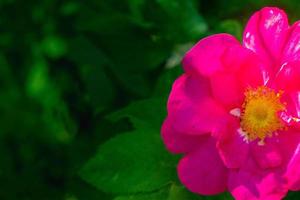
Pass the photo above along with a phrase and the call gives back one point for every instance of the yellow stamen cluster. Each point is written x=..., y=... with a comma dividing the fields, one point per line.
x=259, y=117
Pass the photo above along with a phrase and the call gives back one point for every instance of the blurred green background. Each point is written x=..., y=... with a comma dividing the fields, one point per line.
x=83, y=89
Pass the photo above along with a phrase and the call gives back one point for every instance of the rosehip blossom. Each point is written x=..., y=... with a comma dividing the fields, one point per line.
x=235, y=112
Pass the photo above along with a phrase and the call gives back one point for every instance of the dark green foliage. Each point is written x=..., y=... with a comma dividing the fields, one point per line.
x=83, y=92
x=131, y=163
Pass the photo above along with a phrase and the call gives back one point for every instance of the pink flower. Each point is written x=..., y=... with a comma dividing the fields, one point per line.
x=235, y=112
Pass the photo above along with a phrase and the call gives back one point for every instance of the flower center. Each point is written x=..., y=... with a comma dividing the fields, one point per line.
x=259, y=117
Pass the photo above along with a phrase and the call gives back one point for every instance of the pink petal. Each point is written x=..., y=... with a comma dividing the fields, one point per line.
x=292, y=114
x=243, y=70
x=291, y=51
x=232, y=149
x=252, y=183
x=205, y=57
x=295, y=97
x=188, y=88
x=266, y=33
x=290, y=148
x=293, y=172
x=202, y=171
x=253, y=72
x=227, y=90
x=179, y=142
x=191, y=108
x=288, y=76
x=229, y=66
x=267, y=155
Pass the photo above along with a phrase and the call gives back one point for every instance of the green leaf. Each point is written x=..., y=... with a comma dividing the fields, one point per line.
x=134, y=51
x=91, y=62
x=55, y=113
x=232, y=27
x=164, y=84
x=6, y=75
x=54, y=46
x=70, y=8
x=38, y=84
x=144, y=114
x=181, y=193
x=177, y=192
x=292, y=195
x=160, y=195
x=172, y=192
x=182, y=21
x=130, y=163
